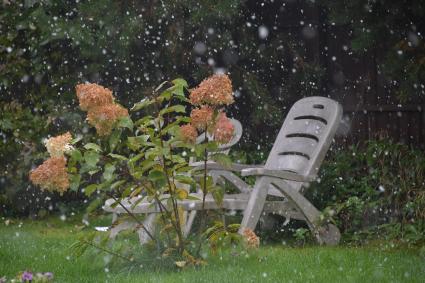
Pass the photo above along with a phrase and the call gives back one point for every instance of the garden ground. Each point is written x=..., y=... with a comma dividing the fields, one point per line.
x=42, y=246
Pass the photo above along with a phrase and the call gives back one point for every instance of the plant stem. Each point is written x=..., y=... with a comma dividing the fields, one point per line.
x=134, y=217
x=107, y=251
x=204, y=194
x=175, y=223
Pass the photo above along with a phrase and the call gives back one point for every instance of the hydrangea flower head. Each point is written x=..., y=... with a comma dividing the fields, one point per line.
x=104, y=117
x=215, y=90
x=52, y=175
x=224, y=129
x=57, y=146
x=188, y=133
x=201, y=118
x=251, y=239
x=93, y=95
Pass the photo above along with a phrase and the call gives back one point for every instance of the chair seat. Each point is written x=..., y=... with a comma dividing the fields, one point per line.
x=230, y=202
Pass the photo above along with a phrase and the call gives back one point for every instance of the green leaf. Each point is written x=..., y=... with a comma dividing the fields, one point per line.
x=180, y=82
x=147, y=164
x=125, y=122
x=145, y=121
x=191, y=197
x=222, y=159
x=77, y=139
x=136, y=158
x=92, y=146
x=175, y=108
x=76, y=155
x=92, y=172
x=158, y=177
x=142, y=104
x=182, y=194
x=117, y=184
x=94, y=205
x=108, y=174
x=91, y=158
x=117, y=156
x=135, y=143
x=90, y=189
x=212, y=146
x=184, y=179
x=200, y=149
x=155, y=175
x=74, y=182
x=136, y=192
x=114, y=139
x=218, y=194
x=178, y=89
x=165, y=95
x=208, y=184
x=126, y=192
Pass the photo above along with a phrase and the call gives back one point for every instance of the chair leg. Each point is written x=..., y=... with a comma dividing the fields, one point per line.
x=327, y=234
x=255, y=204
x=114, y=217
x=149, y=224
x=189, y=223
x=234, y=180
x=120, y=227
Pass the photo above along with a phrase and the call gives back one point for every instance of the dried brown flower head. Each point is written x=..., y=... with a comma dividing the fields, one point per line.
x=188, y=133
x=93, y=95
x=215, y=90
x=52, y=175
x=202, y=117
x=251, y=240
x=103, y=118
x=56, y=146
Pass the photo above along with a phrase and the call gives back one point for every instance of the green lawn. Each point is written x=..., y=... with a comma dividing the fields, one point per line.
x=43, y=246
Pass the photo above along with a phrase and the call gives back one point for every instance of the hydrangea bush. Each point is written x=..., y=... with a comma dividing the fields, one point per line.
x=146, y=156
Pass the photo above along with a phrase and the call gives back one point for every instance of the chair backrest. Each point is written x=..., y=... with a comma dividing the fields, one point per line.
x=305, y=137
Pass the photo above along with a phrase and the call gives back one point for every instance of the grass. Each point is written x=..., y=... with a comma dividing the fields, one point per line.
x=43, y=246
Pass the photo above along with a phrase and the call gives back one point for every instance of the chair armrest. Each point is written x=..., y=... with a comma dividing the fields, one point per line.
x=211, y=165
x=277, y=173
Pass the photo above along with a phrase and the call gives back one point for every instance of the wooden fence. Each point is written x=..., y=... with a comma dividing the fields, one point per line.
x=370, y=109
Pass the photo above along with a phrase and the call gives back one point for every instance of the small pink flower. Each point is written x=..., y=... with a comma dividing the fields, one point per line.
x=224, y=129
x=26, y=276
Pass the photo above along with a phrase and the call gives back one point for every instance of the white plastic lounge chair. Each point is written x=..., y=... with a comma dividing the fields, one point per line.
x=147, y=208
x=293, y=162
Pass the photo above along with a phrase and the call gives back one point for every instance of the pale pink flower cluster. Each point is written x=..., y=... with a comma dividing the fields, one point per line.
x=212, y=93
x=224, y=129
x=57, y=146
x=102, y=111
